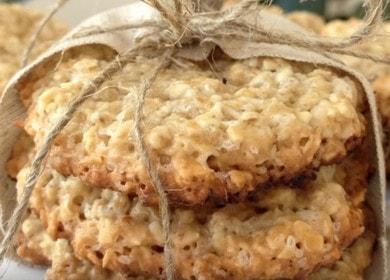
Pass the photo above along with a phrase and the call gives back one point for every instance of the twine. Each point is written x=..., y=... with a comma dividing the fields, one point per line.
x=57, y=6
x=151, y=169
x=229, y=23
x=38, y=161
x=181, y=27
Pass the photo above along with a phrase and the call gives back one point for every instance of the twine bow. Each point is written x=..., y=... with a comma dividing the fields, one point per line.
x=183, y=24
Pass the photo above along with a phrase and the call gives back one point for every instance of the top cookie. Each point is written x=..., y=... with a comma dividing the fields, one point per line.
x=213, y=133
x=17, y=25
x=377, y=73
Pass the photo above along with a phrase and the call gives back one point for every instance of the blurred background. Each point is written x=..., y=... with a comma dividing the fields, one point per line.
x=79, y=10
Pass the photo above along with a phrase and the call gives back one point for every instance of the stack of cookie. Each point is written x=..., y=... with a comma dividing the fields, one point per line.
x=263, y=161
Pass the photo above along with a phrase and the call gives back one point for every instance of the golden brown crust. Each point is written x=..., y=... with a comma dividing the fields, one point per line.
x=377, y=73
x=351, y=265
x=34, y=245
x=281, y=233
x=355, y=259
x=94, y=219
x=20, y=155
x=353, y=262
x=30, y=251
x=382, y=89
x=354, y=172
x=267, y=121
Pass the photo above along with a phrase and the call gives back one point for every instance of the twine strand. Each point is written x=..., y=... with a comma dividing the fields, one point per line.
x=57, y=6
x=223, y=24
x=167, y=15
x=178, y=7
x=38, y=161
x=151, y=169
x=239, y=9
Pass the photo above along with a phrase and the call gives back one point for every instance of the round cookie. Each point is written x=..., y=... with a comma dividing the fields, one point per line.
x=215, y=135
x=281, y=232
x=34, y=240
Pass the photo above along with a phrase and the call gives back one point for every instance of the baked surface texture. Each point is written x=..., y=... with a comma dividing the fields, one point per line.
x=282, y=232
x=214, y=134
x=64, y=265
x=17, y=25
x=353, y=262
x=36, y=246
x=377, y=73
x=20, y=154
x=376, y=45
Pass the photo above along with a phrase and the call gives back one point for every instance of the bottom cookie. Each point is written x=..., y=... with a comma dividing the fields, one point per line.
x=35, y=245
x=283, y=232
x=34, y=241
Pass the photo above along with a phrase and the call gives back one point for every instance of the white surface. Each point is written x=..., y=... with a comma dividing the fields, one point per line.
x=11, y=270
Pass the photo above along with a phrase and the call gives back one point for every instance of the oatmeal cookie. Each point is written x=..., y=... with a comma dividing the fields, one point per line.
x=20, y=154
x=377, y=73
x=17, y=24
x=378, y=44
x=214, y=134
x=36, y=246
x=353, y=262
x=65, y=266
x=282, y=232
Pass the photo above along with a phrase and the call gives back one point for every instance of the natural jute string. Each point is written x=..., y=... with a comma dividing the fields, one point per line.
x=57, y=6
x=184, y=23
x=149, y=166
x=38, y=161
